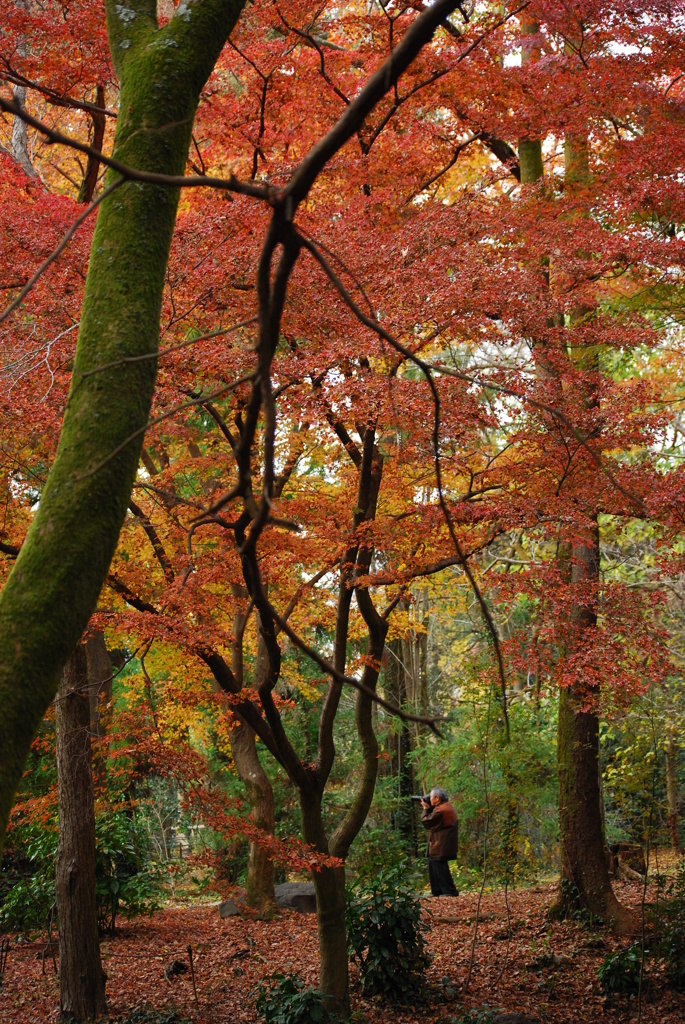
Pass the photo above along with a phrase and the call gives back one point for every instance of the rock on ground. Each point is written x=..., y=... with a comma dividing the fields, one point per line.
x=299, y=896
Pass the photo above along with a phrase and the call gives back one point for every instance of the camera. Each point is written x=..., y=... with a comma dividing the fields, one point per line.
x=422, y=799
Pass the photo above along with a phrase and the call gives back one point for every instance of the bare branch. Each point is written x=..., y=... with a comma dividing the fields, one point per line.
x=160, y=419
x=172, y=348
x=232, y=184
x=349, y=123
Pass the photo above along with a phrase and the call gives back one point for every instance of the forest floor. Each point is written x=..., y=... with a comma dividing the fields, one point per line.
x=545, y=970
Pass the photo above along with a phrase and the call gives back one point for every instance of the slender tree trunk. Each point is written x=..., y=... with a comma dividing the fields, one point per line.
x=260, y=868
x=530, y=149
x=90, y=178
x=81, y=978
x=19, y=147
x=100, y=695
x=672, y=791
x=329, y=884
x=400, y=741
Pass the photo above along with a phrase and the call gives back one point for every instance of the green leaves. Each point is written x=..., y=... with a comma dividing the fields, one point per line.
x=672, y=944
x=122, y=884
x=385, y=937
x=286, y=1000
x=620, y=973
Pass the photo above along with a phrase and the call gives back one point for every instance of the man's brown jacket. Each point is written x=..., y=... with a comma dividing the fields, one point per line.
x=443, y=831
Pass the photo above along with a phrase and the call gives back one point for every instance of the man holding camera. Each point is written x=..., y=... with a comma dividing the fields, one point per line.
x=439, y=817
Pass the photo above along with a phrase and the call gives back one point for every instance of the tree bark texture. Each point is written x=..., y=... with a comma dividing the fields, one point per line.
x=585, y=882
x=19, y=145
x=260, y=868
x=100, y=680
x=329, y=884
x=400, y=743
x=57, y=577
x=530, y=149
x=81, y=978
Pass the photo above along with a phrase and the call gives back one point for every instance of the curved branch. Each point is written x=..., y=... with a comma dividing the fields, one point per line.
x=128, y=173
x=426, y=370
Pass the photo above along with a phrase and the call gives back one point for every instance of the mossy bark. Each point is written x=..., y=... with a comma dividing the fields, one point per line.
x=329, y=884
x=530, y=149
x=260, y=867
x=585, y=884
x=56, y=581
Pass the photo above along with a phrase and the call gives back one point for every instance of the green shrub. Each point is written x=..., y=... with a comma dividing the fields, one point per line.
x=672, y=944
x=29, y=877
x=286, y=1000
x=619, y=973
x=148, y=1015
x=476, y=1015
x=385, y=937
x=376, y=847
x=123, y=884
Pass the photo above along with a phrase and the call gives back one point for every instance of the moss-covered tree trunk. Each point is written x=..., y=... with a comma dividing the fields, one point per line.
x=585, y=883
x=260, y=868
x=400, y=743
x=81, y=978
x=56, y=580
x=329, y=884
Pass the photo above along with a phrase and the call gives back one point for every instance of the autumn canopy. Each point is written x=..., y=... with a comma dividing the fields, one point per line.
x=341, y=384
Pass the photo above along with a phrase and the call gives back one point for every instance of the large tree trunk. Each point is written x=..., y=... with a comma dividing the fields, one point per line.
x=57, y=577
x=585, y=883
x=81, y=978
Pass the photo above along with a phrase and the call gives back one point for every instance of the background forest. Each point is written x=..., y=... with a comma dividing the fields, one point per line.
x=366, y=472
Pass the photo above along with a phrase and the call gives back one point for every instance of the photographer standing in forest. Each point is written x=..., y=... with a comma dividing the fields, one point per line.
x=439, y=817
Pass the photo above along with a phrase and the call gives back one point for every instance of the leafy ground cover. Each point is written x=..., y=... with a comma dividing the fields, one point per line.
x=521, y=962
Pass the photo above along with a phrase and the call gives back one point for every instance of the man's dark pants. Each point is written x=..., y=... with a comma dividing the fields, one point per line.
x=440, y=877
